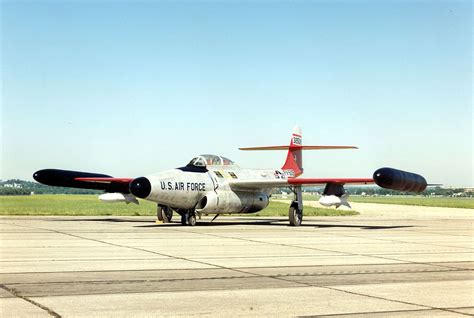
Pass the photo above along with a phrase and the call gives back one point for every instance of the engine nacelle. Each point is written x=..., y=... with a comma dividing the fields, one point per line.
x=394, y=179
x=232, y=202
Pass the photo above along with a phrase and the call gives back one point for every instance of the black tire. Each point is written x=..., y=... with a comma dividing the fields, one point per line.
x=295, y=215
x=159, y=212
x=167, y=214
x=192, y=219
x=164, y=213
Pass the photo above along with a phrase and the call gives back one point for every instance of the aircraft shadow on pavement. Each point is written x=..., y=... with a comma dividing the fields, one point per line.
x=113, y=220
x=366, y=227
x=282, y=222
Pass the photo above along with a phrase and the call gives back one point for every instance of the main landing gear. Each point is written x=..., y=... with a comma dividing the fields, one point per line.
x=188, y=217
x=164, y=213
x=295, y=213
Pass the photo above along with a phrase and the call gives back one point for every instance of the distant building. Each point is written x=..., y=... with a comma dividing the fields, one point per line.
x=13, y=185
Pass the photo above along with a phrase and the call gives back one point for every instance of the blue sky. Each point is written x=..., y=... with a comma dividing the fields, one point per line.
x=128, y=88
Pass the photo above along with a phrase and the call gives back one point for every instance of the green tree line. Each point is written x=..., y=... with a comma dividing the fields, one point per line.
x=21, y=187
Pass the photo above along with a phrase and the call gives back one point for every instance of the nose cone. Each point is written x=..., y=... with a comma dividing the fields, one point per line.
x=140, y=187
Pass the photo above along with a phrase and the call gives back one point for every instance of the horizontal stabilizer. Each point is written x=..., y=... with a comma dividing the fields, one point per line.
x=298, y=147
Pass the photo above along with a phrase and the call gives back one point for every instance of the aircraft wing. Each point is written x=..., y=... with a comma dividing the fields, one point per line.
x=281, y=183
x=106, y=180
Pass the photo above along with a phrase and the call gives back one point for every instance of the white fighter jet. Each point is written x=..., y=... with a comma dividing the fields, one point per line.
x=211, y=184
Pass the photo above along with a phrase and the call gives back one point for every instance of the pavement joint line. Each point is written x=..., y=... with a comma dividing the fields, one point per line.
x=132, y=280
x=230, y=237
x=83, y=259
x=399, y=241
x=407, y=311
x=15, y=293
x=176, y=257
x=310, y=248
x=296, y=284
x=395, y=259
x=333, y=273
x=268, y=243
x=148, y=251
x=113, y=244
x=326, y=250
x=456, y=310
x=441, y=233
x=302, y=284
x=394, y=300
x=220, y=257
x=364, y=295
x=257, y=267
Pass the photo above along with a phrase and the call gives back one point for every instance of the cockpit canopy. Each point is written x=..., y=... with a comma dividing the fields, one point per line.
x=210, y=160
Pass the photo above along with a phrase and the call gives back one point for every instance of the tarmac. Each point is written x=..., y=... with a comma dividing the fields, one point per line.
x=419, y=264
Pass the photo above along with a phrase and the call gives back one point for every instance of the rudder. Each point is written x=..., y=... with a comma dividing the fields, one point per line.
x=294, y=159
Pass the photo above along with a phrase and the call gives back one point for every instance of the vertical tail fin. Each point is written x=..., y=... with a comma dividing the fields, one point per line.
x=294, y=158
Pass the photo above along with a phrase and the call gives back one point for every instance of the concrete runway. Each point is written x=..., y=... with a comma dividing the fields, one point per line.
x=237, y=266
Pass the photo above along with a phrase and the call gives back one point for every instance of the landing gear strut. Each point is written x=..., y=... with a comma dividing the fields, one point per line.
x=188, y=217
x=295, y=213
x=164, y=213
x=191, y=218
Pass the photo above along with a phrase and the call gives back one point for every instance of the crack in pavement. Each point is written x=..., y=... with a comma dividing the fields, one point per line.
x=15, y=293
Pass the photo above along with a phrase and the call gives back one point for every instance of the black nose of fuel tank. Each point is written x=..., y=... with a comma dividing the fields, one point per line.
x=140, y=187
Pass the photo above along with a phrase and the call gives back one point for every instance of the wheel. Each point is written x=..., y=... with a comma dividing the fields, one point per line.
x=295, y=215
x=159, y=212
x=192, y=219
x=164, y=213
x=167, y=213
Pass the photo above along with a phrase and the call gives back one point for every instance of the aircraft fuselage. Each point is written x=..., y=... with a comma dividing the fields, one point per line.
x=185, y=189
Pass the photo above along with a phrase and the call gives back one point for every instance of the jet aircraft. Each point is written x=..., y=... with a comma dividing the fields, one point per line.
x=211, y=184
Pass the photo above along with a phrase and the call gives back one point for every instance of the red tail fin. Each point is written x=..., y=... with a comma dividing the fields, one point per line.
x=294, y=158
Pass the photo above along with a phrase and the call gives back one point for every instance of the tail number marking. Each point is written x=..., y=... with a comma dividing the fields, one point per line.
x=297, y=140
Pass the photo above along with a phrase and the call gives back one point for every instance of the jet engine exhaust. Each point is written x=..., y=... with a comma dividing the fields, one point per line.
x=399, y=180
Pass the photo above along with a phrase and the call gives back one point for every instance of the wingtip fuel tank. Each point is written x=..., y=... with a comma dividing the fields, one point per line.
x=394, y=179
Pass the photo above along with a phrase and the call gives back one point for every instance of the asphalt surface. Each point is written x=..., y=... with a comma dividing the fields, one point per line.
x=237, y=266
